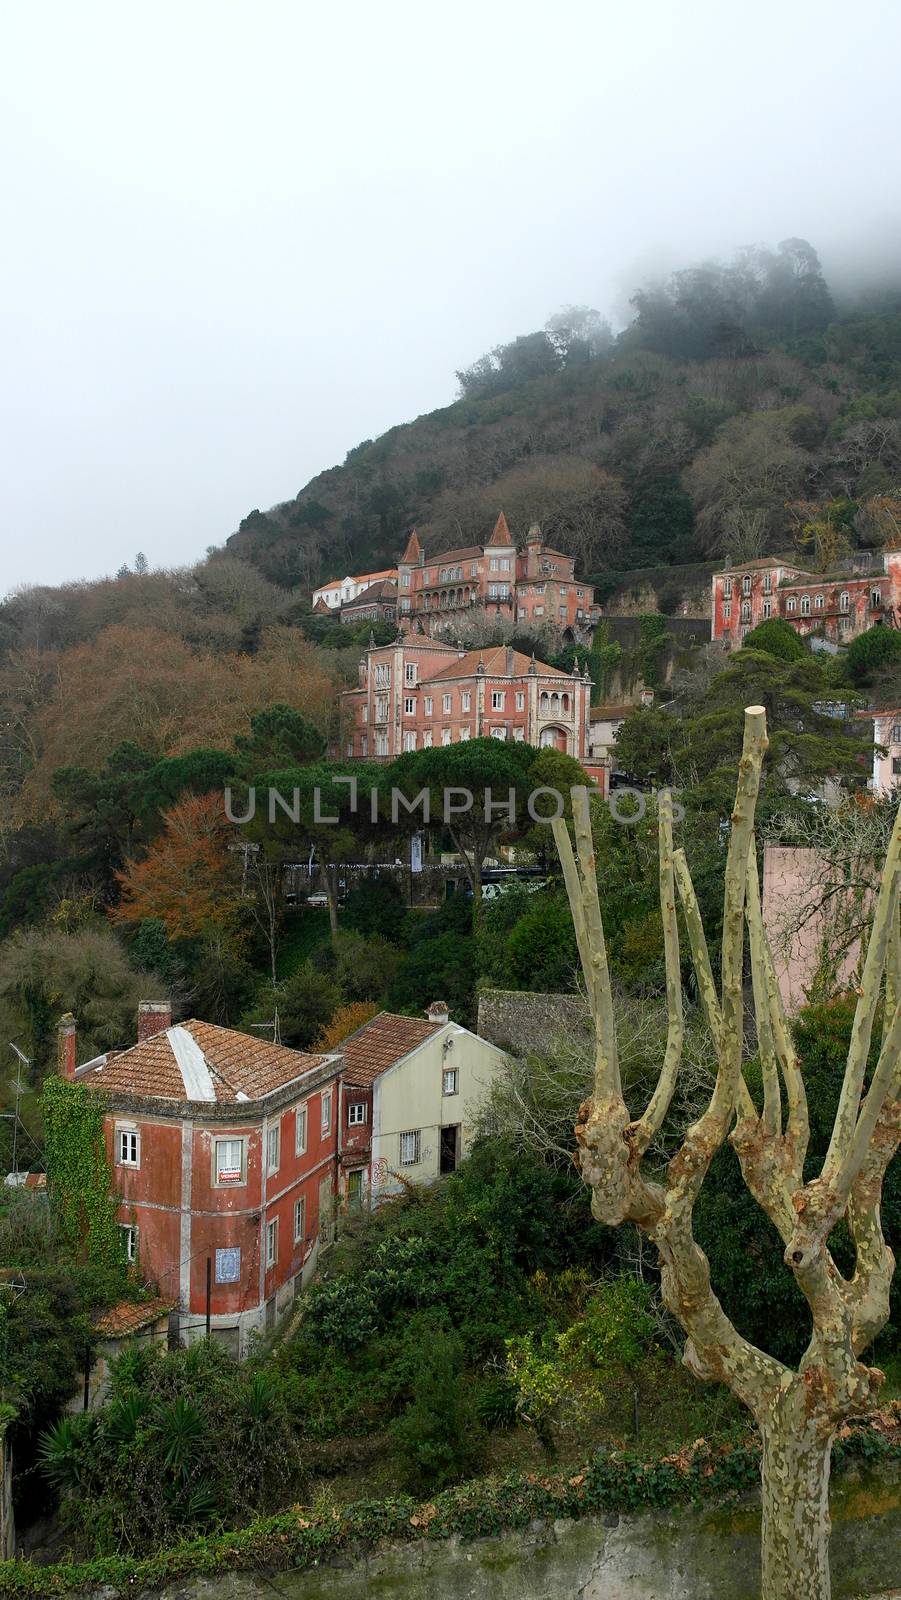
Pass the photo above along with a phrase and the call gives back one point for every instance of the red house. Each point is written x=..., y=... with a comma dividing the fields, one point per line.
x=224, y=1153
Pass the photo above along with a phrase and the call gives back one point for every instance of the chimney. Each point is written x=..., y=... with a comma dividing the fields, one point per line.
x=534, y=534
x=438, y=1011
x=65, y=1047
x=153, y=1017
x=509, y=661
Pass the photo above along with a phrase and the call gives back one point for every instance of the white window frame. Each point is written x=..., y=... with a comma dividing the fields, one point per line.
x=875, y=599
x=818, y=602
x=446, y=736
x=273, y=1147
x=128, y=1147
x=465, y=699
x=410, y=740
x=446, y=703
x=409, y=1160
x=746, y=583
x=220, y=1182
x=272, y=1243
x=132, y=1234
x=790, y=605
x=767, y=610
x=300, y=1217
x=498, y=699
x=844, y=601
x=805, y=605
x=520, y=700
x=727, y=610
x=449, y=1081
x=301, y=1120
x=325, y=1111
x=410, y=672
x=356, y=1113
x=427, y=705
x=409, y=705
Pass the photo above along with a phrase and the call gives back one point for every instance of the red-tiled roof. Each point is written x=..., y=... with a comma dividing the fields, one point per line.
x=127, y=1317
x=500, y=535
x=413, y=551
x=469, y=552
x=385, y=589
x=495, y=664
x=222, y=1066
x=381, y=1043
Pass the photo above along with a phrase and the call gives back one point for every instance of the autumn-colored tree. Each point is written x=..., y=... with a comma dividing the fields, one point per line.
x=146, y=686
x=189, y=879
x=346, y=1020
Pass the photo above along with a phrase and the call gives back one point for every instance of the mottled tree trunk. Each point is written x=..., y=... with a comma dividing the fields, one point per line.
x=795, y=1535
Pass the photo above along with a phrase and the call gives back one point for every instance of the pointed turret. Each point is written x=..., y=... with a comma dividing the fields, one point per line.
x=500, y=538
x=534, y=534
x=412, y=556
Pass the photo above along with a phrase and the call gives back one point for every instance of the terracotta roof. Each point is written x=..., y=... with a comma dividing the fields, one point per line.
x=495, y=664
x=413, y=551
x=384, y=589
x=758, y=564
x=469, y=552
x=380, y=1043
x=385, y=572
x=201, y=1063
x=500, y=534
x=127, y=1317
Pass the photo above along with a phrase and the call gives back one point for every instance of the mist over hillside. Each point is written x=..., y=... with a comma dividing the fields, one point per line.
x=736, y=395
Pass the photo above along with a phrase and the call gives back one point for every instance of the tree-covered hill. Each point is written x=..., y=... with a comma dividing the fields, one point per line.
x=737, y=399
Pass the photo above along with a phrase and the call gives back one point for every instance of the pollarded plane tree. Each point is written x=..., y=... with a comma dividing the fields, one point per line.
x=796, y=1411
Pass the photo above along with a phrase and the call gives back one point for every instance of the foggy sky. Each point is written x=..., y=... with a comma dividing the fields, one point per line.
x=238, y=238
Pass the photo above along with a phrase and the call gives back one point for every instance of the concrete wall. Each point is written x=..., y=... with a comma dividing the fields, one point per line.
x=704, y=1554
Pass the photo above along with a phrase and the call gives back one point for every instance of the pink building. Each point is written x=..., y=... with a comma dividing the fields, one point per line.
x=798, y=920
x=417, y=693
x=836, y=608
x=886, y=748
x=535, y=585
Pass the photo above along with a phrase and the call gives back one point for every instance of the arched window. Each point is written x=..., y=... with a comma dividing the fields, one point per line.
x=791, y=604
x=544, y=703
x=844, y=601
x=746, y=611
x=805, y=605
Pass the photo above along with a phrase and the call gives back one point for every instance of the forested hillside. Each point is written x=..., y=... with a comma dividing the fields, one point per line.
x=739, y=406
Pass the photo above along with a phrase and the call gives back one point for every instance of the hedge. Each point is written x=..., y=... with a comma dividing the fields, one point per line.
x=299, y=1538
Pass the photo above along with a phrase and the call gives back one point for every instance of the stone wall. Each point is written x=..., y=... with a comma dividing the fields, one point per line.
x=702, y=1554
x=518, y=1022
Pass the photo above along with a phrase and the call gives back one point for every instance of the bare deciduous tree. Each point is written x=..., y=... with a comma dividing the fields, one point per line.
x=797, y=1412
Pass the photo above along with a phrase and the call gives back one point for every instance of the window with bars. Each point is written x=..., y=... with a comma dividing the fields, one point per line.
x=409, y=1147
